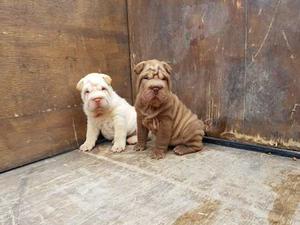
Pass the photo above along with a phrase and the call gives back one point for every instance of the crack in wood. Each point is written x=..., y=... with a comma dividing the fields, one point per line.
x=267, y=33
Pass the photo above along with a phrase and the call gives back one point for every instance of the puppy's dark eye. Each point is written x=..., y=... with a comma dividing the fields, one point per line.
x=146, y=78
x=103, y=88
x=87, y=92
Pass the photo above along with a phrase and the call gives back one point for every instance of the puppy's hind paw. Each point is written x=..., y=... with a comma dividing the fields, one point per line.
x=86, y=147
x=182, y=149
x=158, y=154
x=132, y=140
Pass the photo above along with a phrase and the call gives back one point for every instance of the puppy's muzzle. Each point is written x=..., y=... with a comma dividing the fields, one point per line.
x=156, y=88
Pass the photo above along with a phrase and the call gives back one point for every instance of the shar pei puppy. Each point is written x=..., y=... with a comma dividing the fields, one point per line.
x=161, y=112
x=107, y=113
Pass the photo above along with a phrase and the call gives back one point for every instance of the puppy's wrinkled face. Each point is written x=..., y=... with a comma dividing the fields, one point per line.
x=95, y=92
x=153, y=83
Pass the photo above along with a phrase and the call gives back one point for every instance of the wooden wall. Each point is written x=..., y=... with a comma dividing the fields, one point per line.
x=45, y=48
x=236, y=62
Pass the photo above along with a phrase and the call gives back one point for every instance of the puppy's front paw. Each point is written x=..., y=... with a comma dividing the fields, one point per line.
x=118, y=147
x=86, y=147
x=158, y=154
x=139, y=147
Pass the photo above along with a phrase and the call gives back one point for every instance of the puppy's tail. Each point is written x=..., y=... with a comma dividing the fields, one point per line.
x=207, y=124
x=211, y=129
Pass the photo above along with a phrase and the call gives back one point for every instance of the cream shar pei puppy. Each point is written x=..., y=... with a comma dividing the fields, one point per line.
x=106, y=112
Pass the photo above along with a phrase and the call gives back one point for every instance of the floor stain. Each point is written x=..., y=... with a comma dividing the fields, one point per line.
x=288, y=198
x=203, y=215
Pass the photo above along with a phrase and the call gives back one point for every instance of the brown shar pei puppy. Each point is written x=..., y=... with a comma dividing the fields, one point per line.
x=161, y=112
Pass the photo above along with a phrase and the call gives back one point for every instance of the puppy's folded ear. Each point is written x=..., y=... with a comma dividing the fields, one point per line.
x=107, y=79
x=138, y=68
x=167, y=67
x=79, y=85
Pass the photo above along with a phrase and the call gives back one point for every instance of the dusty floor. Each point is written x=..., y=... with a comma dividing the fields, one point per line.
x=220, y=185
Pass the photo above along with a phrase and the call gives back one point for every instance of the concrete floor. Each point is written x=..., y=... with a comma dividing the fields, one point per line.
x=219, y=185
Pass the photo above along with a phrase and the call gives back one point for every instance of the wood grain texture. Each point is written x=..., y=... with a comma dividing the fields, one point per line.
x=210, y=45
x=272, y=81
x=45, y=48
x=30, y=138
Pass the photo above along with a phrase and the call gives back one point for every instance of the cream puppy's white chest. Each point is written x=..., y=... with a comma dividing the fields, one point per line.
x=106, y=126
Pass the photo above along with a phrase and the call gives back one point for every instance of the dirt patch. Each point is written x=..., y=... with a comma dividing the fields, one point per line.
x=285, y=205
x=203, y=215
